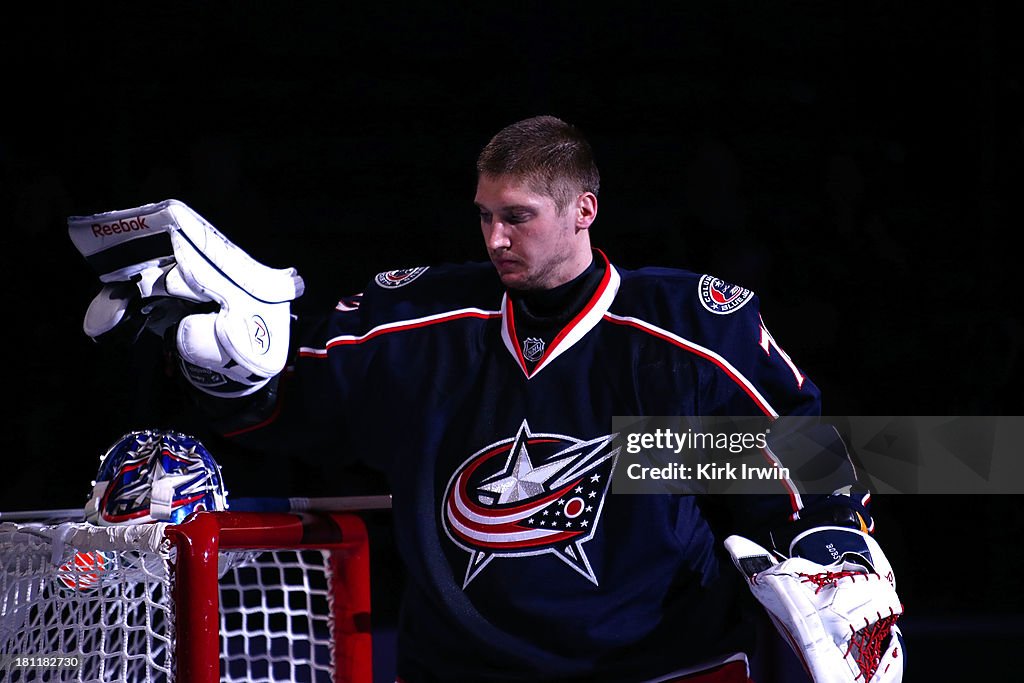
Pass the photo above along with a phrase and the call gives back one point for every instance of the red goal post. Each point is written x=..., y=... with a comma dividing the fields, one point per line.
x=196, y=589
x=224, y=596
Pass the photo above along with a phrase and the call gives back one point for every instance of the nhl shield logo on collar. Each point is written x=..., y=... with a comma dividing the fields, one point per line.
x=533, y=348
x=720, y=297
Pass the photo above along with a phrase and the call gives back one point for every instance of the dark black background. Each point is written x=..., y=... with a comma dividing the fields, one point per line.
x=856, y=164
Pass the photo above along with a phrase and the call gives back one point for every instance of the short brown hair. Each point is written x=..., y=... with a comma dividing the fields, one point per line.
x=548, y=154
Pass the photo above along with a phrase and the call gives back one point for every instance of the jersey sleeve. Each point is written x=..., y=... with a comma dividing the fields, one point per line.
x=305, y=410
x=755, y=376
x=351, y=364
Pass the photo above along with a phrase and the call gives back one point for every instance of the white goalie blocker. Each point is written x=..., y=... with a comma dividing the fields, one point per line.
x=163, y=265
x=839, y=619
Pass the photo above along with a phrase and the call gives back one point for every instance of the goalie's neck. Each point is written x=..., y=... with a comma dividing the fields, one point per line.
x=538, y=326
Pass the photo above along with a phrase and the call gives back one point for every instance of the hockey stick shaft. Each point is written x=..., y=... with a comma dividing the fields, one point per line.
x=298, y=504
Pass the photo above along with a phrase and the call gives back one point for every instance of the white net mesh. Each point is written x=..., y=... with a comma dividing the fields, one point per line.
x=258, y=625
x=68, y=592
x=106, y=595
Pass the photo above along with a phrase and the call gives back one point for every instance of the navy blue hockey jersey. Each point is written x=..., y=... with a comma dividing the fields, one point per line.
x=522, y=565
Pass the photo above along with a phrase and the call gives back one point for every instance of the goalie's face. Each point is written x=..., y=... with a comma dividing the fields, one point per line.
x=531, y=243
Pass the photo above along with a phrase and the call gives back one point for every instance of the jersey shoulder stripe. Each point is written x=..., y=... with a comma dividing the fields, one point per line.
x=704, y=352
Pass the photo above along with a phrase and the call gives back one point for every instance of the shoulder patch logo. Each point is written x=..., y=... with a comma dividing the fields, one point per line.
x=720, y=297
x=393, y=279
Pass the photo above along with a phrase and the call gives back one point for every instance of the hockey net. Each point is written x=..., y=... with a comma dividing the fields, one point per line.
x=225, y=596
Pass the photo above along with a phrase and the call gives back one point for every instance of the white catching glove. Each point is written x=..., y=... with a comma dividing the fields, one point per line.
x=839, y=617
x=163, y=264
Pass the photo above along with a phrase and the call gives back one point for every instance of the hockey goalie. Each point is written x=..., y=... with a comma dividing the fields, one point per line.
x=477, y=483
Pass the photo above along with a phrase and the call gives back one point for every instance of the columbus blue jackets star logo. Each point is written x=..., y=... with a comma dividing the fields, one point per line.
x=530, y=495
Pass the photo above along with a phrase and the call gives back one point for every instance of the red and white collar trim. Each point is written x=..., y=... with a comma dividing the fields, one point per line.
x=574, y=330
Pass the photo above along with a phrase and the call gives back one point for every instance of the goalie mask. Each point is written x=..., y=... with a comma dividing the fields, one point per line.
x=155, y=476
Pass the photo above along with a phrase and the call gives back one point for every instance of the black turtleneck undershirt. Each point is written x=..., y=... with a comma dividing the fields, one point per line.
x=542, y=314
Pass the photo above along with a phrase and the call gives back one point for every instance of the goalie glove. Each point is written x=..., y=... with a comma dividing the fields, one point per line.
x=838, y=617
x=163, y=265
